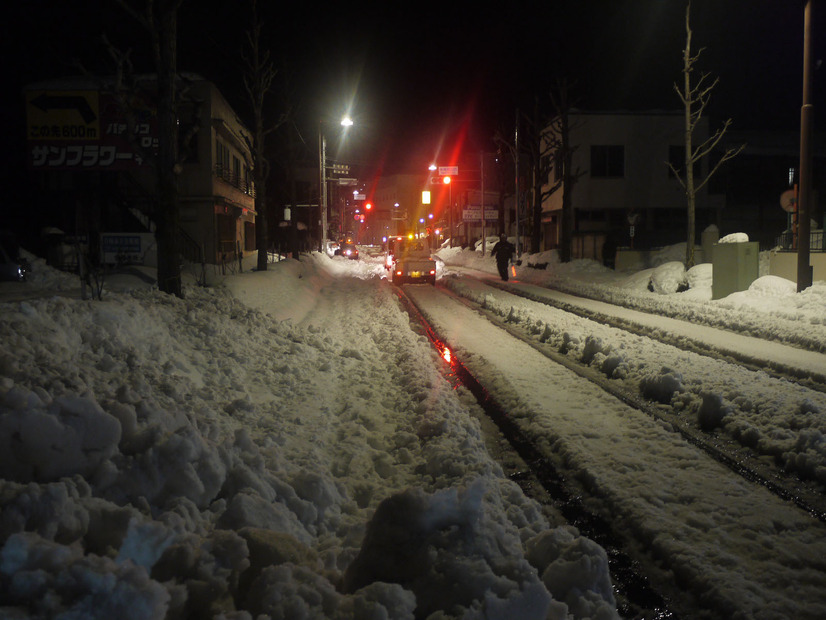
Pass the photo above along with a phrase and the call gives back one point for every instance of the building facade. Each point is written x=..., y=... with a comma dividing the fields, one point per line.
x=90, y=154
x=624, y=193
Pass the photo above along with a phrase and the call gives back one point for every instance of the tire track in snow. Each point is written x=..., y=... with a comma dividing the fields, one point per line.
x=726, y=544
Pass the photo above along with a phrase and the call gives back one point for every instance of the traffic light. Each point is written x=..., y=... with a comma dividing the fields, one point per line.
x=368, y=206
x=440, y=180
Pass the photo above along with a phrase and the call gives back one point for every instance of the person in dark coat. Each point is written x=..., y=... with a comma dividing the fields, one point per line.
x=503, y=251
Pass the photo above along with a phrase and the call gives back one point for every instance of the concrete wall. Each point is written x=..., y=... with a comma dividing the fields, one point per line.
x=784, y=265
x=637, y=260
x=781, y=264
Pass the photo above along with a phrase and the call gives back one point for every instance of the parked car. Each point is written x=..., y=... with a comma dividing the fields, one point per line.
x=13, y=267
x=332, y=248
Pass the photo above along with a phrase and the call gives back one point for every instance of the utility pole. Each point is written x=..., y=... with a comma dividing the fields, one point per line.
x=516, y=179
x=482, y=180
x=804, y=270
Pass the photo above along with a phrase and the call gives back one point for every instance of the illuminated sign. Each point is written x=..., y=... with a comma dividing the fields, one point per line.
x=85, y=130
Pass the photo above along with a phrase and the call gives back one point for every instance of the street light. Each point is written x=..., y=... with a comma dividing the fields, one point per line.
x=346, y=122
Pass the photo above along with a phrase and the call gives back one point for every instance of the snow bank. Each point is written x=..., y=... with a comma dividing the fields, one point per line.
x=296, y=455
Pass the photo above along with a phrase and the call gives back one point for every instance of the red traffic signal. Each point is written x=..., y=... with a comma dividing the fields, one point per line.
x=368, y=205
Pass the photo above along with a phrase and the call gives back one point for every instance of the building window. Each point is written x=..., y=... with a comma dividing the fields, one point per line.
x=676, y=157
x=247, y=180
x=236, y=171
x=221, y=157
x=187, y=134
x=607, y=161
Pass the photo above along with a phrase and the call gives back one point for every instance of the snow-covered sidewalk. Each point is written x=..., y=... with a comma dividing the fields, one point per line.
x=759, y=351
x=282, y=445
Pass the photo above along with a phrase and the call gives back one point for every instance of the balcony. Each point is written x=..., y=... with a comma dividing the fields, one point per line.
x=237, y=180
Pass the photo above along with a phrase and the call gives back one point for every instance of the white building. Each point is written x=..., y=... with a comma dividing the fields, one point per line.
x=624, y=190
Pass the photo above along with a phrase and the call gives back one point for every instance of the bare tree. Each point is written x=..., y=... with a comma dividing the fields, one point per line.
x=695, y=98
x=258, y=79
x=565, y=175
x=549, y=153
x=542, y=146
x=508, y=184
x=160, y=19
x=539, y=146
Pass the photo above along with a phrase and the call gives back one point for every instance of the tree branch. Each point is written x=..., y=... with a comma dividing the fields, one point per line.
x=729, y=154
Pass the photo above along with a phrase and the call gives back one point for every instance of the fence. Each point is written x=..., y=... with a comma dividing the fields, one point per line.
x=787, y=241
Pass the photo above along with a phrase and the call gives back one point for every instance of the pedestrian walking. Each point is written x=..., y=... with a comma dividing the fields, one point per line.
x=503, y=251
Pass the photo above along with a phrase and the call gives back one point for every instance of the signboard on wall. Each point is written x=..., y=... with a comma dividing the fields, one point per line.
x=126, y=248
x=475, y=215
x=85, y=130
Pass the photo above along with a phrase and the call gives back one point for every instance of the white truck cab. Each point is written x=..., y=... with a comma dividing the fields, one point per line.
x=409, y=260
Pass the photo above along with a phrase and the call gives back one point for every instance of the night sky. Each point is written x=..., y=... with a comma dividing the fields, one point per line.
x=433, y=81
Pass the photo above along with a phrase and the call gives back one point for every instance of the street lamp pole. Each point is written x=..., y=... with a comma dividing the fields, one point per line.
x=346, y=122
x=322, y=195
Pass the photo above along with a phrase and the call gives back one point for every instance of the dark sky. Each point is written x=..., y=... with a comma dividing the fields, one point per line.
x=426, y=80
x=429, y=80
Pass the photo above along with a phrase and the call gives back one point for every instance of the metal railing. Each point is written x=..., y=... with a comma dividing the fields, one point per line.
x=142, y=203
x=235, y=179
x=788, y=241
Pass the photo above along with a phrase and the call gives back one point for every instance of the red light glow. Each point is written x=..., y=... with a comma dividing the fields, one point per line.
x=446, y=355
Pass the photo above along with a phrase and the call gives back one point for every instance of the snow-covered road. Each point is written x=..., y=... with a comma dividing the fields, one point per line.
x=731, y=544
x=287, y=439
